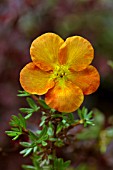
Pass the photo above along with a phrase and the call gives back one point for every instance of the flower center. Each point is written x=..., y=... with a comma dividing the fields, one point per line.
x=60, y=71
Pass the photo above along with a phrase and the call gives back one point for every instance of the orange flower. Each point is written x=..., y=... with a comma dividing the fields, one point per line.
x=60, y=70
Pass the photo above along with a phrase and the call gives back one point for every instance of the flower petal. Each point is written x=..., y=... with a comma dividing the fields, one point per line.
x=64, y=97
x=88, y=80
x=34, y=80
x=44, y=50
x=76, y=52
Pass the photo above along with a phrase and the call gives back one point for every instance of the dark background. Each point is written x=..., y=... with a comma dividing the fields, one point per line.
x=21, y=21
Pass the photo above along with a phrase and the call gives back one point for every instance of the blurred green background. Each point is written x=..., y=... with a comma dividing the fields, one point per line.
x=21, y=21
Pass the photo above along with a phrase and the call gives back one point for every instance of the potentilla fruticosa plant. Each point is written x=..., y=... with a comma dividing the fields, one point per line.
x=62, y=72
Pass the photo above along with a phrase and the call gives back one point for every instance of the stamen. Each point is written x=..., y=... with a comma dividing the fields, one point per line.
x=60, y=71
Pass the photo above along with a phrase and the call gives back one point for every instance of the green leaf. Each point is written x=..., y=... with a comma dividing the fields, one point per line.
x=15, y=121
x=53, y=110
x=59, y=127
x=64, y=121
x=59, y=143
x=85, y=116
x=26, y=110
x=36, y=161
x=28, y=116
x=25, y=144
x=67, y=164
x=35, y=149
x=48, y=167
x=18, y=121
x=14, y=134
x=32, y=104
x=28, y=167
x=59, y=164
x=43, y=163
x=16, y=129
x=26, y=151
x=32, y=136
x=50, y=131
x=16, y=137
x=23, y=93
x=71, y=117
x=22, y=121
x=53, y=139
x=43, y=132
x=43, y=120
x=43, y=135
x=44, y=143
x=90, y=114
x=38, y=132
x=43, y=104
